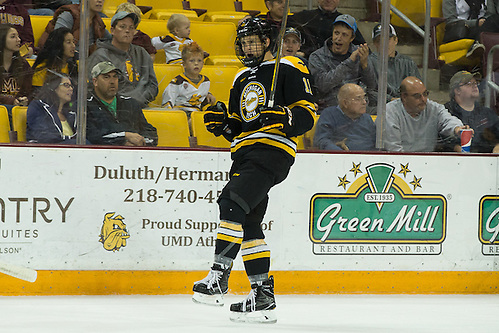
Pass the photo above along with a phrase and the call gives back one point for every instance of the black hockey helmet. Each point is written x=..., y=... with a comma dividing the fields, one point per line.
x=249, y=27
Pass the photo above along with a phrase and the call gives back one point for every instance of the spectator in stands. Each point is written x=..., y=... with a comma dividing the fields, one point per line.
x=113, y=119
x=291, y=44
x=140, y=38
x=137, y=79
x=346, y=126
x=318, y=24
x=11, y=12
x=189, y=91
x=463, y=21
x=68, y=16
x=50, y=118
x=57, y=55
x=413, y=122
x=16, y=73
x=44, y=7
x=464, y=105
x=179, y=27
x=339, y=62
x=400, y=66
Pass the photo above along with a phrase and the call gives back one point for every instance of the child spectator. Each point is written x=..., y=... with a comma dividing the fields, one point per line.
x=179, y=27
x=189, y=91
x=140, y=38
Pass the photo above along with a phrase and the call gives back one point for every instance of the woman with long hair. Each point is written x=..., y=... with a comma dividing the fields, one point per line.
x=58, y=55
x=15, y=72
x=50, y=118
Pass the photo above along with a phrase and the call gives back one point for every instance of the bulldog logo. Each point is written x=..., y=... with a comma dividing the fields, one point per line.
x=113, y=234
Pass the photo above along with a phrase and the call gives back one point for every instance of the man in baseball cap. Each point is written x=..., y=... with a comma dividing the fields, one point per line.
x=399, y=66
x=348, y=20
x=291, y=42
x=138, y=79
x=339, y=62
x=103, y=68
x=121, y=15
x=464, y=104
x=113, y=119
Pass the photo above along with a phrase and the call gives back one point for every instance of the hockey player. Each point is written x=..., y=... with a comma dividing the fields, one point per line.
x=263, y=149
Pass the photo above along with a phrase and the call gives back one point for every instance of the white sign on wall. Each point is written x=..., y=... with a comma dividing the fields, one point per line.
x=129, y=209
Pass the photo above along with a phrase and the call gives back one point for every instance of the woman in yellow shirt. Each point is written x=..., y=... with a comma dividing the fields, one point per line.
x=57, y=55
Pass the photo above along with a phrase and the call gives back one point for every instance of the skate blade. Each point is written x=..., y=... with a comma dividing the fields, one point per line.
x=260, y=317
x=213, y=300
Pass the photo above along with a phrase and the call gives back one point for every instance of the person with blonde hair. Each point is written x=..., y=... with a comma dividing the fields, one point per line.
x=179, y=27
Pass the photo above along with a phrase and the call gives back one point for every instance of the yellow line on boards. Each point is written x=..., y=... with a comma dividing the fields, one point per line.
x=286, y=282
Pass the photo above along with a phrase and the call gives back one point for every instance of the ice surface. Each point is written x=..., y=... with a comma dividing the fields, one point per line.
x=314, y=313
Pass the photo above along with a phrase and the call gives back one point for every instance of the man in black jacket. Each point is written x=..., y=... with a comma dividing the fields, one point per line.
x=113, y=119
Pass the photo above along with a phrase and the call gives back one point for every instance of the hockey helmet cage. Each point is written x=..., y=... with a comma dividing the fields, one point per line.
x=249, y=27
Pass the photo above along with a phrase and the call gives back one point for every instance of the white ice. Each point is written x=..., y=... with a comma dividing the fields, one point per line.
x=314, y=313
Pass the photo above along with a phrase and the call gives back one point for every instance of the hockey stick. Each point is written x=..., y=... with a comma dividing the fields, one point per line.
x=284, y=21
x=19, y=272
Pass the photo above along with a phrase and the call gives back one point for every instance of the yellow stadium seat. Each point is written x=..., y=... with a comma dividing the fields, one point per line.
x=172, y=127
x=4, y=125
x=19, y=122
x=254, y=5
x=415, y=10
x=110, y=7
x=221, y=78
x=213, y=5
x=224, y=16
x=308, y=137
x=454, y=53
x=38, y=23
x=164, y=74
x=203, y=137
x=216, y=38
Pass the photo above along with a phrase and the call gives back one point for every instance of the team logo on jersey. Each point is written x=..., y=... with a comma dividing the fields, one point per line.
x=378, y=214
x=113, y=233
x=253, y=95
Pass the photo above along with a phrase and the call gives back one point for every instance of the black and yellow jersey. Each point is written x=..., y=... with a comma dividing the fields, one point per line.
x=251, y=90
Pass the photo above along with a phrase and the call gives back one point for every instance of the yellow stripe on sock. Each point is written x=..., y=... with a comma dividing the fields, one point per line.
x=259, y=255
x=230, y=239
x=231, y=226
x=253, y=243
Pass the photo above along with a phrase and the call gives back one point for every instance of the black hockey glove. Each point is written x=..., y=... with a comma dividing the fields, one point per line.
x=215, y=118
x=279, y=117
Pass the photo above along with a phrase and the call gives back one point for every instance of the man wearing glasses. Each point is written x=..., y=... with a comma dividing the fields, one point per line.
x=346, y=126
x=413, y=122
x=464, y=96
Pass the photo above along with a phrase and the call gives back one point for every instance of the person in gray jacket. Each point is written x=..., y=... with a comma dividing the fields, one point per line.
x=138, y=79
x=339, y=62
x=400, y=66
x=413, y=122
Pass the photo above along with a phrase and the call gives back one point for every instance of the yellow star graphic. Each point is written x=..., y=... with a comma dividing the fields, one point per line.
x=343, y=182
x=416, y=182
x=404, y=169
x=355, y=169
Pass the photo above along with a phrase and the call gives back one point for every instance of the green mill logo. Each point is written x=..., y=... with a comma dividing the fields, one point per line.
x=378, y=214
x=488, y=232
